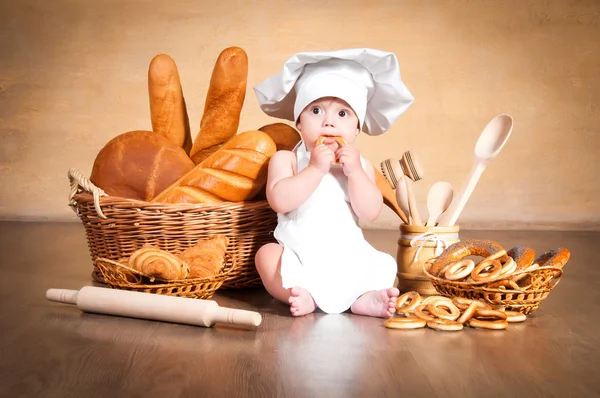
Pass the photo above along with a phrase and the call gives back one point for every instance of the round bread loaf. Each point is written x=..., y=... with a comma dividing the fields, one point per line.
x=139, y=165
x=285, y=136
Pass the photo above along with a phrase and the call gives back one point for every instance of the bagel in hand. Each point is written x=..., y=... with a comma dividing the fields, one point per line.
x=341, y=142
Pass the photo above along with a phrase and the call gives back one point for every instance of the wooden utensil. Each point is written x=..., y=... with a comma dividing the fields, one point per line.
x=392, y=171
x=412, y=169
x=438, y=199
x=402, y=197
x=153, y=306
x=389, y=197
x=490, y=143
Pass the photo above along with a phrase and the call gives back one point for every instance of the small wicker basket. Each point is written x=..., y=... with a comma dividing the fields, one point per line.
x=542, y=281
x=119, y=276
x=116, y=227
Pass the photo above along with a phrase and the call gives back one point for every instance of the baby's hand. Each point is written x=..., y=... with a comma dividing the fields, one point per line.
x=321, y=157
x=349, y=157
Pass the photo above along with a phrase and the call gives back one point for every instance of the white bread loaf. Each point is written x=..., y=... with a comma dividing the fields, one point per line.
x=236, y=172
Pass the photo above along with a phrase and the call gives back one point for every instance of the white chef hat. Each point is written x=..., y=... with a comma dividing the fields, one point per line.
x=367, y=79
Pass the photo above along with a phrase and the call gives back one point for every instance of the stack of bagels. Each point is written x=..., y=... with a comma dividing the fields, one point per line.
x=167, y=165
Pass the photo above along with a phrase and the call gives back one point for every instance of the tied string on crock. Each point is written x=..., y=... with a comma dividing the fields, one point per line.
x=423, y=239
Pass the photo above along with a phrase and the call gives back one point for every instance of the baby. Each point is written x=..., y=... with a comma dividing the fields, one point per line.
x=322, y=188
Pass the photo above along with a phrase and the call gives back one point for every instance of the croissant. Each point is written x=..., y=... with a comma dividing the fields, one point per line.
x=157, y=263
x=205, y=258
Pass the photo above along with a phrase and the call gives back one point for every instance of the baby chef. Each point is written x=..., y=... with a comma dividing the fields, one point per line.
x=321, y=259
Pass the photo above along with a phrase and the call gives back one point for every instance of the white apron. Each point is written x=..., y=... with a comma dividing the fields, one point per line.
x=324, y=250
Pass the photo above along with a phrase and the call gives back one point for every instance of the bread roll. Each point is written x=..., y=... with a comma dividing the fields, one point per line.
x=156, y=263
x=223, y=105
x=285, y=136
x=206, y=257
x=234, y=173
x=168, y=111
x=139, y=165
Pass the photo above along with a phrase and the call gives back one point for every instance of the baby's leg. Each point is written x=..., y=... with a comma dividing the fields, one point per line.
x=378, y=303
x=268, y=264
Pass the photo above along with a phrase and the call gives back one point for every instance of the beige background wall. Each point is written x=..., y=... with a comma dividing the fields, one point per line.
x=73, y=74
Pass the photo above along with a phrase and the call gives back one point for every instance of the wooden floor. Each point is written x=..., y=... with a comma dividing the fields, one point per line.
x=49, y=349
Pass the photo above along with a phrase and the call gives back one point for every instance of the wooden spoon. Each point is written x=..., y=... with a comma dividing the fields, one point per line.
x=438, y=199
x=411, y=166
x=402, y=197
x=490, y=143
x=392, y=171
x=389, y=198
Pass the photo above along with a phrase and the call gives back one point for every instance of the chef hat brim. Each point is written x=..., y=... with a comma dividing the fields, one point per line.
x=388, y=100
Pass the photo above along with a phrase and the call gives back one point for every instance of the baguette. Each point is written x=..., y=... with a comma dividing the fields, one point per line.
x=168, y=111
x=139, y=165
x=223, y=105
x=234, y=173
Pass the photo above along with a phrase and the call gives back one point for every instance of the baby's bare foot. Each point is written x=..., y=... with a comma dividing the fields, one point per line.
x=379, y=303
x=301, y=302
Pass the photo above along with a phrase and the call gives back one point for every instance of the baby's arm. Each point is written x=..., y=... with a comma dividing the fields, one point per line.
x=365, y=196
x=286, y=190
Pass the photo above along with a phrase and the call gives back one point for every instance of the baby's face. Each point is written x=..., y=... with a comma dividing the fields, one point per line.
x=327, y=116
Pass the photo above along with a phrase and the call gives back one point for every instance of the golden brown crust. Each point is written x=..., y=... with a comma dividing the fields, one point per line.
x=445, y=325
x=223, y=104
x=139, y=165
x=523, y=256
x=491, y=325
x=404, y=323
x=234, y=173
x=421, y=311
x=459, y=270
x=285, y=136
x=459, y=250
x=413, y=298
x=450, y=313
x=168, y=112
x=489, y=314
x=556, y=258
x=515, y=316
x=156, y=263
x=206, y=257
x=486, y=270
x=436, y=310
x=341, y=142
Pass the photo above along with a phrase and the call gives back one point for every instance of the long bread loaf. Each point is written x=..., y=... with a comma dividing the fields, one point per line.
x=223, y=104
x=168, y=111
x=235, y=172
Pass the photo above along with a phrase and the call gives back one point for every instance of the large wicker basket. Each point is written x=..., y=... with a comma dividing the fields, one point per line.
x=541, y=281
x=116, y=227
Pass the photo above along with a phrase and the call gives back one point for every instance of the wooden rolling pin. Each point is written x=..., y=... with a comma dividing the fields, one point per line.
x=153, y=306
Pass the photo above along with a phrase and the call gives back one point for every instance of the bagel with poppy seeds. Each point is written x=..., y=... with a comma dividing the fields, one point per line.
x=459, y=250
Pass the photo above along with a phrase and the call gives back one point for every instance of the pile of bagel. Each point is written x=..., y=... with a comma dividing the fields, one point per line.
x=448, y=314
x=507, y=270
x=498, y=268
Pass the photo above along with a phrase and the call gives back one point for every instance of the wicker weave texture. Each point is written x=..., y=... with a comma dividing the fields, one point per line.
x=540, y=282
x=119, y=276
x=129, y=224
